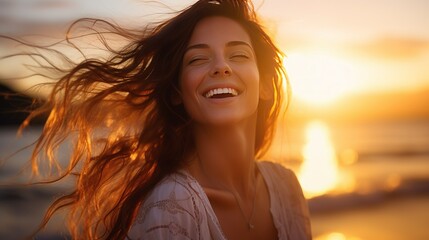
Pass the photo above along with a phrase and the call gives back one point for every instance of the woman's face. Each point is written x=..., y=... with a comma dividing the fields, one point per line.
x=220, y=78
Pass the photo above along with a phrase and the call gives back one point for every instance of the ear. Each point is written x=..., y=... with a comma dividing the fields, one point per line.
x=265, y=90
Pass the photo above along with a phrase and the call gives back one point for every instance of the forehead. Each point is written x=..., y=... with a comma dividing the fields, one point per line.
x=218, y=30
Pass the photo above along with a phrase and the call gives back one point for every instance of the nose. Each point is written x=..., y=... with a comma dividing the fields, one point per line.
x=220, y=69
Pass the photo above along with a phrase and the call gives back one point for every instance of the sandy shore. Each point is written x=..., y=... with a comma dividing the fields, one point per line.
x=396, y=219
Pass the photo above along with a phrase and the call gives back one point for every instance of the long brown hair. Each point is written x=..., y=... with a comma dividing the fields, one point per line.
x=127, y=133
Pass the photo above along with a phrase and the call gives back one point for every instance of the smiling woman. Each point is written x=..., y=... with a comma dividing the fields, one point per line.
x=168, y=132
x=220, y=56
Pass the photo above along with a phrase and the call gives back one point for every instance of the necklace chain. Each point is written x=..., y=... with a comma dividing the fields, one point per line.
x=250, y=226
x=248, y=220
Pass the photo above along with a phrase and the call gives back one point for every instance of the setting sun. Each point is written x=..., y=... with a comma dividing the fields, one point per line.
x=320, y=78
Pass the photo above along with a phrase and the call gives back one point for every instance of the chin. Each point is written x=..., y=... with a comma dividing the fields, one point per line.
x=229, y=118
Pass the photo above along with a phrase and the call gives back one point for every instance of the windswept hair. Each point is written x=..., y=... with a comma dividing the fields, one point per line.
x=127, y=132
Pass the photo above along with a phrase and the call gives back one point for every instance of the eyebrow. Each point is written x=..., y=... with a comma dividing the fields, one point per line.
x=229, y=44
x=238, y=43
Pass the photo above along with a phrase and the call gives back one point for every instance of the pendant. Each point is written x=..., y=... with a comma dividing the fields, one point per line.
x=251, y=226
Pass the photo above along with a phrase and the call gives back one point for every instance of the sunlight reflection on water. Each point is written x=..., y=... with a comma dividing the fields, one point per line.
x=336, y=236
x=319, y=172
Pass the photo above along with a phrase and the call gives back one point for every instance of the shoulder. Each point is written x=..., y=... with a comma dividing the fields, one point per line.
x=282, y=181
x=291, y=209
x=172, y=210
x=276, y=170
x=175, y=188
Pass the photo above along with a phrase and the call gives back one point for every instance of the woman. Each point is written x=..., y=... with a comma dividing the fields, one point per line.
x=167, y=133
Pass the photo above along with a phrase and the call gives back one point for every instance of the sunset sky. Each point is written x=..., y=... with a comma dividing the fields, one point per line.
x=334, y=47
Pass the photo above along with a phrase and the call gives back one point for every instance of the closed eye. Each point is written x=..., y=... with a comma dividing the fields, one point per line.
x=197, y=60
x=239, y=57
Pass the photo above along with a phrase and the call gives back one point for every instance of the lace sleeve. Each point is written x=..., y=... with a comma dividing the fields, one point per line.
x=171, y=211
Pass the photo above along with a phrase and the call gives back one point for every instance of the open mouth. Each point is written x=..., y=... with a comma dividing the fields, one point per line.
x=221, y=93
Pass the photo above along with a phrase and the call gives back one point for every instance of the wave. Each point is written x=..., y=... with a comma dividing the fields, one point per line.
x=330, y=203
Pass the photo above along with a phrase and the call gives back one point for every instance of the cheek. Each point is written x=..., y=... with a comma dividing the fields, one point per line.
x=189, y=83
x=254, y=88
x=252, y=79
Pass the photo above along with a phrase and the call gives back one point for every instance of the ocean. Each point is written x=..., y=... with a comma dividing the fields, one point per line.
x=362, y=181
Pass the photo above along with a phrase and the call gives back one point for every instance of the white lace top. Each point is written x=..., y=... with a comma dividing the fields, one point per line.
x=178, y=208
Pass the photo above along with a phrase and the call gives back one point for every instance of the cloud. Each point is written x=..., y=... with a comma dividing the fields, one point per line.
x=386, y=48
x=392, y=48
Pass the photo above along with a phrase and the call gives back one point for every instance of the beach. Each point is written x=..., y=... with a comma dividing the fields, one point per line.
x=396, y=219
x=388, y=196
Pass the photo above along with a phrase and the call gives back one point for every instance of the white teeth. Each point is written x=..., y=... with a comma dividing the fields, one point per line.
x=216, y=91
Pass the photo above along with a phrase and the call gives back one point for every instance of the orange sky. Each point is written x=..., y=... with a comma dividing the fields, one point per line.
x=336, y=48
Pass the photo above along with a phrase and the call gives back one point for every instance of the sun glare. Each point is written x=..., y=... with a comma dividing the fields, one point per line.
x=336, y=236
x=319, y=172
x=320, y=78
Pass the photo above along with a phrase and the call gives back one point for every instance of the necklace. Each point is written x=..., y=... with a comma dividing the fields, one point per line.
x=250, y=226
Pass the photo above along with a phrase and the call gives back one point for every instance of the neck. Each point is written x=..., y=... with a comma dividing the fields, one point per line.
x=225, y=156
